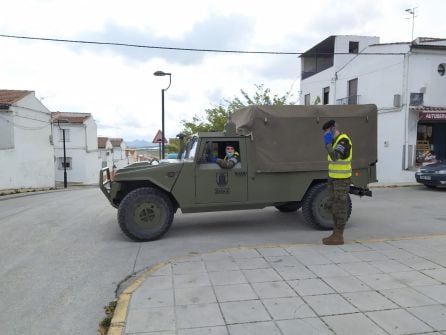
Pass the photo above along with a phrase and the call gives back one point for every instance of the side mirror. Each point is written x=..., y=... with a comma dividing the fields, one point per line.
x=181, y=137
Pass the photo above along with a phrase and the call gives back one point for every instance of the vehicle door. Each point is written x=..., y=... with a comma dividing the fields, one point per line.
x=215, y=184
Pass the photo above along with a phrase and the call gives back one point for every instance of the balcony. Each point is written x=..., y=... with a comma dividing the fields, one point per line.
x=351, y=100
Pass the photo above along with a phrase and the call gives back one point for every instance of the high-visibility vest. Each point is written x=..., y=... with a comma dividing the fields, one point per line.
x=236, y=154
x=342, y=168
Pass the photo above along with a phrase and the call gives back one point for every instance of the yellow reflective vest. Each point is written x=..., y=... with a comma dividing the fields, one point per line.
x=342, y=168
x=235, y=155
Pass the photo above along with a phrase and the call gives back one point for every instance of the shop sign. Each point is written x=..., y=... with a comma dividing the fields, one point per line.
x=433, y=116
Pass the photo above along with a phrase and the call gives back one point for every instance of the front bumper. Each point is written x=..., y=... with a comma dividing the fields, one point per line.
x=105, y=185
x=431, y=179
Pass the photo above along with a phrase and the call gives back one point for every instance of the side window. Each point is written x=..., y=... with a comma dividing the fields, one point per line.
x=214, y=150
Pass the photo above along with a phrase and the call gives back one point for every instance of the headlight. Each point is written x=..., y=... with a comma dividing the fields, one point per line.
x=440, y=172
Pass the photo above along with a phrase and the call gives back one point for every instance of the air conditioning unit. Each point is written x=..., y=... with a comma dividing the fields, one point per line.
x=397, y=100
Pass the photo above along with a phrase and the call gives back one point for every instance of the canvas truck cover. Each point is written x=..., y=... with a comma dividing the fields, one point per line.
x=290, y=138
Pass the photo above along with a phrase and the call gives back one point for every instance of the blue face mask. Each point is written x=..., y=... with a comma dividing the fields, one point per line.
x=229, y=154
x=332, y=131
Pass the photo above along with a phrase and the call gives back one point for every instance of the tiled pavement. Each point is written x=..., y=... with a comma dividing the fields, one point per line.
x=389, y=287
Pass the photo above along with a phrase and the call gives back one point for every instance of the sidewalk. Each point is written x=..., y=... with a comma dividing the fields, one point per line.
x=382, y=287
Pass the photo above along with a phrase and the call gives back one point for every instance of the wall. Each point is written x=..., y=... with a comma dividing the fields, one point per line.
x=82, y=148
x=30, y=163
x=423, y=74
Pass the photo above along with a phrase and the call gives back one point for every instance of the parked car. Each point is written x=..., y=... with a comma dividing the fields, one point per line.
x=432, y=175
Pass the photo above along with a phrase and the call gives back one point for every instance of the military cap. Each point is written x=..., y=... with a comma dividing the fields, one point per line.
x=328, y=124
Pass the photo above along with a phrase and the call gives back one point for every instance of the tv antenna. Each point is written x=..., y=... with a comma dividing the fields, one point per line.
x=411, y=12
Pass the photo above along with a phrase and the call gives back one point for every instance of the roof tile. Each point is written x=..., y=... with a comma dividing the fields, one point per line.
x=8, y=97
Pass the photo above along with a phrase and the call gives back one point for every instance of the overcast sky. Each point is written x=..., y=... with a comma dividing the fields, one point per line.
x=116, y=84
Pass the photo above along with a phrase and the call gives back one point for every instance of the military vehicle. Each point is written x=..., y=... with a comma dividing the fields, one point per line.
x=283, y=163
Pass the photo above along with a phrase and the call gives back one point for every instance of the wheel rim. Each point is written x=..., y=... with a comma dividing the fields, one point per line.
x=147, y=215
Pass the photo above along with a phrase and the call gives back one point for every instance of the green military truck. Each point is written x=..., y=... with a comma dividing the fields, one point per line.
x=283, y=163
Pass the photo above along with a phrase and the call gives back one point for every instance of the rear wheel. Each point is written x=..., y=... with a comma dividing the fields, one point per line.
x=316, y=208
x=291, y=206
x=145, y=214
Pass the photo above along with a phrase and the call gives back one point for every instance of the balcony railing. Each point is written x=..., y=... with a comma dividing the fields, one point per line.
x=351, y=100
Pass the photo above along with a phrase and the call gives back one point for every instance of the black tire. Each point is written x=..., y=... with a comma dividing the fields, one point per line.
x=145, y=214
x=288, y=207
x=314, y=207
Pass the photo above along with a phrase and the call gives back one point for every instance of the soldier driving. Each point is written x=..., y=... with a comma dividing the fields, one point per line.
x=339, y=148
x=231, y=159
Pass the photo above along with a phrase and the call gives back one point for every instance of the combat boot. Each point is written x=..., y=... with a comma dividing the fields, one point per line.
x=337, y=238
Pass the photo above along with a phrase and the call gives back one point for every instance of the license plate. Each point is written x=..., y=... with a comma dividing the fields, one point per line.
x=425, y=177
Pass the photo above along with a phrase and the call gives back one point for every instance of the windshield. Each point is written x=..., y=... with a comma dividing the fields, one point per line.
x=191, y=148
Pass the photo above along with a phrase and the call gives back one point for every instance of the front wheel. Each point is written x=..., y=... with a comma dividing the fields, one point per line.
x=145, y=214
x=316, y=208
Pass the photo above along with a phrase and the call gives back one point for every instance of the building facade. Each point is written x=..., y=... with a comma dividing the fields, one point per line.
x=112, y=152
x=405, y=80
x=81, y=149
x=26, y=150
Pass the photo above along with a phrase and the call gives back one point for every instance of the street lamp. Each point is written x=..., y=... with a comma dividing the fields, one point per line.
x=161, y=74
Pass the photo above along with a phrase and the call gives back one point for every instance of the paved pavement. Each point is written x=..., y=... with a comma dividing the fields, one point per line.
x=373, y=287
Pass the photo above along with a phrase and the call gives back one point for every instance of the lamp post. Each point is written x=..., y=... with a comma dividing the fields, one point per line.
x=161, y=74
x=64, y=156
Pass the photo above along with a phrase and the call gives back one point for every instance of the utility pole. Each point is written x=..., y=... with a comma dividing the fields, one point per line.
x=64, y=156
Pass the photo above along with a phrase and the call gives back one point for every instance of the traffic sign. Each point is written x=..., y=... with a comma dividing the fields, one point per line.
x=159, y=137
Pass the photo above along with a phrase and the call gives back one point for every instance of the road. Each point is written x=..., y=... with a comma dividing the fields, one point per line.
x=63, y=255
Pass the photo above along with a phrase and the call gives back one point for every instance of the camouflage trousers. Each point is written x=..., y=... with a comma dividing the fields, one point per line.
x=338, y=198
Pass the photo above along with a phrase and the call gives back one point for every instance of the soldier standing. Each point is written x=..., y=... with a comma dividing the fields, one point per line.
x=340, y=152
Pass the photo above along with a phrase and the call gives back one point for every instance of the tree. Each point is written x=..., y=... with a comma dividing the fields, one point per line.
x=216, y=117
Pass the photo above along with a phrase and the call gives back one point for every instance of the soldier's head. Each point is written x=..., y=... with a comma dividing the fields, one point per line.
x=230, y=150
x=332, y=127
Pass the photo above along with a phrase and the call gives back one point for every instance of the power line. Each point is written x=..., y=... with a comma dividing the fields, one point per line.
x=16, y=125
x=190, y=49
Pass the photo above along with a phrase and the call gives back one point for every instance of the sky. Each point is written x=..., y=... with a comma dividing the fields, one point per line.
x=116, y=84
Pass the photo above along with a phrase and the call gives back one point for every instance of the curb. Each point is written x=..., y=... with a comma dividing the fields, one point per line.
x=30, y=193
x=118, y=321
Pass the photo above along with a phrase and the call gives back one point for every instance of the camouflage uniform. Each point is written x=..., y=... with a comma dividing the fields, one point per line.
x=338, y=193
x=338, y=188
x=340, y=153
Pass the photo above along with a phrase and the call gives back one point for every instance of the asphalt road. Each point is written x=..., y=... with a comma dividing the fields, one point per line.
x=62, y=254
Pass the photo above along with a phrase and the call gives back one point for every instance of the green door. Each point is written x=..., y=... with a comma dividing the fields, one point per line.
x=217, y=185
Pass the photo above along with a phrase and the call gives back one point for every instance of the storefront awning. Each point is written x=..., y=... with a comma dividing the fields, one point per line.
x=430, y=114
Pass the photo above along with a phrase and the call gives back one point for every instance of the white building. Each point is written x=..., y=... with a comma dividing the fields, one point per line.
x=119, y=157
x=26, y=152
x=81, y=148
x=406, y=81
x=112, y=152
x=105, y=151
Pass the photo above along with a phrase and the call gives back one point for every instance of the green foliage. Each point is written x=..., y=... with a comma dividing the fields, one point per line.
x=216, y=117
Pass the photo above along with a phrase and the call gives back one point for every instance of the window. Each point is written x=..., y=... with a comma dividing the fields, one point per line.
x=416, y=99
x=353, y=47
x=326, y=95
x=217, y=149
x=67, y=135
x=6, y=131
x=307, y=99
x=60, y=163
x=353, y=91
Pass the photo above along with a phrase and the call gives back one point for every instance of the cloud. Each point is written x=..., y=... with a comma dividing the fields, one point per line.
x=346, y=19
x=215, y=32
